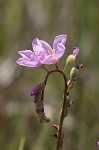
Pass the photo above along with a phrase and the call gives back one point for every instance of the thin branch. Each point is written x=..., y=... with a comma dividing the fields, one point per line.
x=56, y=66
x=63, y=107
x=45, y=69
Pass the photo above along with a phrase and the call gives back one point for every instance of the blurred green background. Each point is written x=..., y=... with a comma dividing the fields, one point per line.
x=20, y=22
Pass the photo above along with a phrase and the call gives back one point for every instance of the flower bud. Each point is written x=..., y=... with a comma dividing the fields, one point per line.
x=70, y=60
x=74, y=73
x=40, y=111
x=70, y=84
x=37, y=89
x=79, y=66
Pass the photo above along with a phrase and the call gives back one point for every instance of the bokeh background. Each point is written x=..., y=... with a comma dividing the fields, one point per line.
x=20, y=22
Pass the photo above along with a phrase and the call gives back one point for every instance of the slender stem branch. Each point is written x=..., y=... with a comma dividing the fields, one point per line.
x=42, y=95
x=56, y=66
x=43, y=67
x=63, y=107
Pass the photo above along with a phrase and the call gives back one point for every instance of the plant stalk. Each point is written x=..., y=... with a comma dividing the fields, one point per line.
x=58, y=145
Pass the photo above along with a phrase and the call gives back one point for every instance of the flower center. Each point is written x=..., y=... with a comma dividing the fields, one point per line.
x=53, y=52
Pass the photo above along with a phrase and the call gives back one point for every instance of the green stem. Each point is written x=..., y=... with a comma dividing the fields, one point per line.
x=56, y=66
x=63, y=106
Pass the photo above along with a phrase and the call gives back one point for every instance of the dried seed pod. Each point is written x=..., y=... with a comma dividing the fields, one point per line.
x=42, y=118
x=40, y=112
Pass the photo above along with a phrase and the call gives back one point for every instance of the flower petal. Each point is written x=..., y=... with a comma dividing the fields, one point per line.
x=27, y=62
x=26, y=54
x=37, y=47
x=59, y=53
x=59, y=39
x=40, y=46
x=49, y=60
x=76, y=51
x=45, y=45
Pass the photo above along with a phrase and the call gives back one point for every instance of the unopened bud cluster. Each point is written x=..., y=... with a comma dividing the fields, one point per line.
x=39, y=103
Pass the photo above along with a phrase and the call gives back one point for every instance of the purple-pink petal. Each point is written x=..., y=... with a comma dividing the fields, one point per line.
x=54, y=56
x=28, y=59
x=37, y=47
x=59, y=39
x=28, y=63
x=59, y=54
x=40, y=46
x=36, y=41
x=49, y=60
x=60, y=47
x=26, y=53
x=45, y=45
x=76, y=51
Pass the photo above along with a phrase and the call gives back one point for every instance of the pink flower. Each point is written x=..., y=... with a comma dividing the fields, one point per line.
x=76, y=51
x=43, y=53
x=49, y=55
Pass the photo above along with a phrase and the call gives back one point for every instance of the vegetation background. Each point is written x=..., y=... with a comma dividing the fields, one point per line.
x=20, y=22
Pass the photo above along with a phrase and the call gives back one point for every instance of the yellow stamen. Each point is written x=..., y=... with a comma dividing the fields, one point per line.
x=53, y=52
